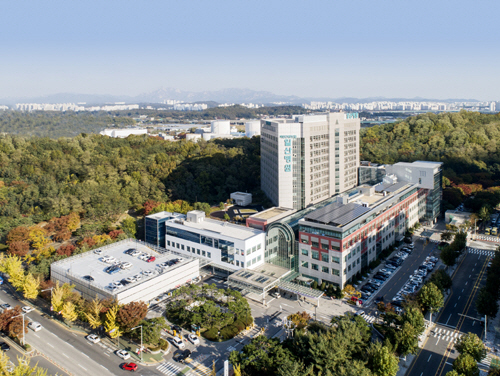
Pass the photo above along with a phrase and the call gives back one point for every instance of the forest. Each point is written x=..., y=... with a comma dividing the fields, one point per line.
x=101, y=177
x=468, y=144
x=58, y=124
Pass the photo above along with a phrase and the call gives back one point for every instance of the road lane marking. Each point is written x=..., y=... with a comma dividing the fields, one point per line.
x=429, y=358
x=455, y=305
x=85, y=355
x=36, y=335
x=470, y=275
x=466, y=283
x=448, y=319
x=438, y=341
x=459, y=297
x=463, y=290
x=82, y=367
x=65, y=355
x=50, y=345
x=472, y=269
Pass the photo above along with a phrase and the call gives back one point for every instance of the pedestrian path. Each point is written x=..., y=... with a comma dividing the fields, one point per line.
x=486, y=362
x=200, y=369
x=446, y=334
x=482, y=252
x=368, y=318
x=169, y=369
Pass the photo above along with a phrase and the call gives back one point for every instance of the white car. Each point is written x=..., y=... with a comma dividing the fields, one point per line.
x=35, y=326
x=194, y=339
x=27, y=309
x=123, y=354
x=98, y=251
x=135, y=253
x=130, y=279
x=138, y=277
x=144, y=256
x=178, y=343
x=125, y=265
x=147, y=273
x=117, y=284
x=93, y=338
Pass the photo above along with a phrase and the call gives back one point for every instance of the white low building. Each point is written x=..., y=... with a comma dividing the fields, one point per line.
x=241, y=198
x=224, y=245
x=140, y=280
x=124, y=132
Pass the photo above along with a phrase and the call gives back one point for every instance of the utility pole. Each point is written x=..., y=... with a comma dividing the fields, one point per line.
x=139, y=326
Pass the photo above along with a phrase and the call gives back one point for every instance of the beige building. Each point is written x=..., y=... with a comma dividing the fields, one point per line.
x=309, y=158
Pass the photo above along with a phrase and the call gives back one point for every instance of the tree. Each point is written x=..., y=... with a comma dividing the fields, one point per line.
x=300, y=319
x=151, y=330
x=131, y=314
x=415, y=318
x=446, y=236
x=129, y=226
x=448, y=256
x=452, y=373
x=13, y=266
x=431, y=297
x=73, y=221
x=18, y=234
x=484, y=214
x=471, y=344
x=237, y=370
x=110, y=324
x=69, y=312
x=407, y=339
x=381, y=361
x=226, y=217
x=57, y=297
x=486, y=303
x=93, y=313
x=465, y=365
x=19, y=248
x=203, y=206
x=22, y=368
x=222, y=206
x=31, y=286
x=37, y=237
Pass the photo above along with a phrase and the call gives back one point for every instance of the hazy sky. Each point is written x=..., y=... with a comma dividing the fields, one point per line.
x=334, y=48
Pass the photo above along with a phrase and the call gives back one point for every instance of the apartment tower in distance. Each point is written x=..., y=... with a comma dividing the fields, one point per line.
x=309, y=158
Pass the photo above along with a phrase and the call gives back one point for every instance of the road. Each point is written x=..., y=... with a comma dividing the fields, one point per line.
x=438, y=353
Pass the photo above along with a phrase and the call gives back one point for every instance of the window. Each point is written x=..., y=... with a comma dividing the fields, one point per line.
x=349, y=256
x=336, y=260
x=254, y=260
x=336, y=272
x=237, y=263
x=249, y=250
x=254, y=248
x=324, y=256
x=314, y=267
x=194, y=251
x=315, y=255
x=305, y=252
x=259, y=257
x=325, y=269
x=345, y=271
x=177, y=245
x=182, y=247
x=188, y=248
x=305, y=264
x=209, y=254
x=242, y=264
x=258, y=246
x=324, y=246
x=203, y=253
x=168, y=242
x=198, y=251
x=315, y=244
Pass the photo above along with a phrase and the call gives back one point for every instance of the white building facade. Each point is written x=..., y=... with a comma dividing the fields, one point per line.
x=309, y=158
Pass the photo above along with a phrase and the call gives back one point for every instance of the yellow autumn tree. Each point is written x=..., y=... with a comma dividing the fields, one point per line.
x=57, y=297
x=73, y=221
x=237, y=370
x=110, y=324
x=69, y=312
x=22, y=368
x=31, y=286
x=101, y=239
x=94, y=312
x=37, y=237
x=13, y=266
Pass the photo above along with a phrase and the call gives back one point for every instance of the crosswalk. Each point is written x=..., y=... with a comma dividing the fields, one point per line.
x=446, y=334
x=231, y=348
x=168, y=369
x=486, y=362
x=368, y=318
x=488, y=238
x=482, y=252
x=200, y=369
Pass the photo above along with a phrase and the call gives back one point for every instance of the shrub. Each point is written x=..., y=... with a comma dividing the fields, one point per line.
x=156, y=348
x=249, y=321
x=240, y=325
x=211, y=334
x=228, y=332
x=314, y=285
x=163, y=344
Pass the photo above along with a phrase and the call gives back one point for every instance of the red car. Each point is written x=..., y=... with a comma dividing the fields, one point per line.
x=129, y=367
x=151, y=259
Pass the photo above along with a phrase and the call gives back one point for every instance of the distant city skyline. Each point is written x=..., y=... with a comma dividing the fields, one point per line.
x=318, y=49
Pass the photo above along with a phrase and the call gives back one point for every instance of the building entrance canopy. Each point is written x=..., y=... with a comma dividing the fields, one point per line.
x=300, y=290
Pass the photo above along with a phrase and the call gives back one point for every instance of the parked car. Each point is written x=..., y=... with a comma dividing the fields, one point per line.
x=125, y=265
x=135, y=253
x=98, y=251
x=129, y=251
x=88, y=278
x=144, y=256
x=35, y=326
x=93, y=338
x=390, y=266
x=129, y=367
x=6, y=306
x=27, y=309
x=151, y=259
x=4, y=346
x=193, y=339
x=178, y=343
x=123, y=354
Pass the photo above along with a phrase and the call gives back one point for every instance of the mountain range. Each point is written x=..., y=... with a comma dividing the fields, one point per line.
x=231, y=95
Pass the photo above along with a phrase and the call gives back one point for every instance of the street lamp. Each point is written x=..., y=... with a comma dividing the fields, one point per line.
x=139, y=326
x=22, y=314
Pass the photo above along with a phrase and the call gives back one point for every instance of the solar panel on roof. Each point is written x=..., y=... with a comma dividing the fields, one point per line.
x=337, y=214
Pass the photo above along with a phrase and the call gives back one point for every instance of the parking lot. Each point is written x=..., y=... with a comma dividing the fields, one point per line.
x=401, y=274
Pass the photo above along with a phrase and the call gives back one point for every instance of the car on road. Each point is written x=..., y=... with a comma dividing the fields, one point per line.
x=123, y=354
x=27, y=309
x=178, y=343
x=93, y=338
x=181, y=356
x=35, y=326
x=129, y=367
x=88, y=278
x=6, y=306
x=193, y=339
x=4, y=346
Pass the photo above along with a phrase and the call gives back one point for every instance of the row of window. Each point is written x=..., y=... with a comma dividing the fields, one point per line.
x=324, y=269
x=322, y=256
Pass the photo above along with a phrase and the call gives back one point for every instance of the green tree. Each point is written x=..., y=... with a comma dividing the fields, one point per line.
x=222, y=206
x=129, y=226
x=407, y=339
x=151, y=330
x=446, y=236
x=486, y=304
x=414, y=317
x=381, y=361
x=431, y=297
x=471, y=344
x=465, y=365
x=484, y=214
x=226, y=217
x=203, y=206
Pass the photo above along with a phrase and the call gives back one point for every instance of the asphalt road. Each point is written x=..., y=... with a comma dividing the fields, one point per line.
x=438, y=353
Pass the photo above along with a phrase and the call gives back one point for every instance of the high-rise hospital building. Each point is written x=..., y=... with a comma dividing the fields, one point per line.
x=309, y=158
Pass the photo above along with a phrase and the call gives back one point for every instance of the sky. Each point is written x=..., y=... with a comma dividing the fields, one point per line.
x=336, y=48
